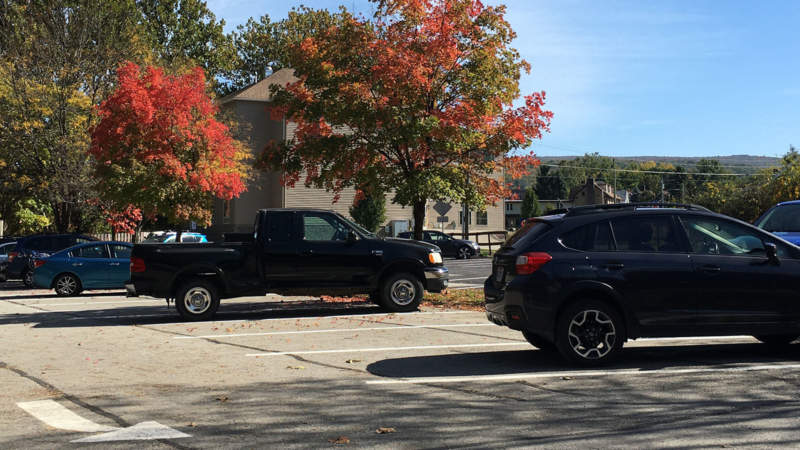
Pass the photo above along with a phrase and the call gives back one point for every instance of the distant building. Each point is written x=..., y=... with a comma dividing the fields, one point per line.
x=597, y=192
x=250, y=107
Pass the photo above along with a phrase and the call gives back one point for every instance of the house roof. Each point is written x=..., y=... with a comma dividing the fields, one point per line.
x=260, y=91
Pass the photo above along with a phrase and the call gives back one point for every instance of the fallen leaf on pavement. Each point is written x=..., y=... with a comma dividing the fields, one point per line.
x=295, y=367
x=384, y=430
x=353, y=361
x=566, y=378
x=222, y=398
x=192, y=424
x=339, y=440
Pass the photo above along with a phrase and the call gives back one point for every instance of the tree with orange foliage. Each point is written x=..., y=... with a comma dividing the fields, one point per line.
x=418, y=100
x=161, y=151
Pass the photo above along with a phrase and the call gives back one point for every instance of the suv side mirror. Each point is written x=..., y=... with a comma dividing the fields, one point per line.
x=772, y=252
x=352, y=237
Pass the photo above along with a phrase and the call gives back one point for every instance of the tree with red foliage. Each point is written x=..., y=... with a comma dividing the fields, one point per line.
x=161, y=151
x=418, y=100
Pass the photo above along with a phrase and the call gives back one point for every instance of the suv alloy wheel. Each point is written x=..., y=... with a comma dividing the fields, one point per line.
x=589, y=333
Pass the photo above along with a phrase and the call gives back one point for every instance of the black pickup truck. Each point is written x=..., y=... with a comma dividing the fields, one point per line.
x=291, y=251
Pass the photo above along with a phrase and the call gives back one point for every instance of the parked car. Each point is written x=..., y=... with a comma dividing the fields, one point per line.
x=93, y=265
x=783, y=220
x=585, y=281
x=166, y=237
x=313, y=252
x=20, y=261
x=5, y=249
x=458, y=248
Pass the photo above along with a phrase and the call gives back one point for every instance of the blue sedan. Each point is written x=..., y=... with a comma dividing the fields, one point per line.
x=93, y=265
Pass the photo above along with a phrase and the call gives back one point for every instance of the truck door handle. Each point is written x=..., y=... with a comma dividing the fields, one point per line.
x=615, y=266
x=76, y=264
x=710, y=268
x=113, y=264
x=307, y=252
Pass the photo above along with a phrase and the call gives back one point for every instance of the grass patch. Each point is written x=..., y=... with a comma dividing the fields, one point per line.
x=468, y=299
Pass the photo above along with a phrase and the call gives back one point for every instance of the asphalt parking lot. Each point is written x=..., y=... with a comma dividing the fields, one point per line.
x=107, y=370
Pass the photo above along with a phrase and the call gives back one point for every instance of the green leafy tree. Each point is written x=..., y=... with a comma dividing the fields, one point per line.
x=31, y=217
x=550, y=185
x=262, y=46
x=56, y=61
x=185, y=33
x=530, y=204
x=369, y=211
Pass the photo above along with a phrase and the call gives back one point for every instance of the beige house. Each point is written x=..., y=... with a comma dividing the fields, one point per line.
x=250, y=107
x=597, y=193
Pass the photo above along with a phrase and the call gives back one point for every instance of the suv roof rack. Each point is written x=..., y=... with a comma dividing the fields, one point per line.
x=593, y=209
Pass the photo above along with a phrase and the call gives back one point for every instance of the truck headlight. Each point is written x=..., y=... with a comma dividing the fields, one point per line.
x=435, y=257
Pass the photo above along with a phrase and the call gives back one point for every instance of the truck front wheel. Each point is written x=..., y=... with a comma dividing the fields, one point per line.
x=401, y=292
x=197, y=299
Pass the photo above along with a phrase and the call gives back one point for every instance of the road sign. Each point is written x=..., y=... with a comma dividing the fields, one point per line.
x=442, y=208
x=443, y=219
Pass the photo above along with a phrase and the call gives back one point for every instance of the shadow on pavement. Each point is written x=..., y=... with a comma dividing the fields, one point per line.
x=51, y=294
x=161, y=314
x=537, y=361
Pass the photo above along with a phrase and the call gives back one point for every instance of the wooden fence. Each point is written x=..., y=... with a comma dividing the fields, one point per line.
x=491, y=238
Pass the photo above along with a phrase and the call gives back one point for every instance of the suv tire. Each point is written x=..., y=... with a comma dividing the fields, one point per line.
x=589, y=333
x=197, y=299
x=401, y=292
x=539, y=342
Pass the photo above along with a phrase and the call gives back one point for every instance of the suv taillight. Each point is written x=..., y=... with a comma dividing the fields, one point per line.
x=527, y=263
x=38, y=263
x=137, y=265
x=12, y=255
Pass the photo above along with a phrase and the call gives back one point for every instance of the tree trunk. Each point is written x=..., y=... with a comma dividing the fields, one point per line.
x=419, y=218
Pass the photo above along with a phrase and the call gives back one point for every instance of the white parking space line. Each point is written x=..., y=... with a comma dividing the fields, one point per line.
x=57, y=416
x=389, y=349
x=171, y=312
x=337, y=330
x=587, y=373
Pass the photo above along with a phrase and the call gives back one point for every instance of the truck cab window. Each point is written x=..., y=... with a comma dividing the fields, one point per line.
x=323, y=227
x=279, y=226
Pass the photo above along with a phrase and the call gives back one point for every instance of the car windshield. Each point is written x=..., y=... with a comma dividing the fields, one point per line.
x=356, y=226
x=156, y=237
x=782, y=218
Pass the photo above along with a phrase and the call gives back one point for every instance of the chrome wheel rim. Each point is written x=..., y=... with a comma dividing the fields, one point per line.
x=592, y=334
x=197, y=300
x=66, y=285
x=403, y=292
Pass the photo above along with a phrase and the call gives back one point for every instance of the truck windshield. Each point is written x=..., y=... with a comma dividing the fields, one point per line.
x=356, y=226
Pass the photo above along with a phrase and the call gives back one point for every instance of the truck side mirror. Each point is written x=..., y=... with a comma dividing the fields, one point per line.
x=772, y=252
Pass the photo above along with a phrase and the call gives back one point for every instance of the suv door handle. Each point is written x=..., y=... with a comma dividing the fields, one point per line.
x=307, y=252
x=76, y=264
x=113, y=264
x=709, y=268
x=614, y=266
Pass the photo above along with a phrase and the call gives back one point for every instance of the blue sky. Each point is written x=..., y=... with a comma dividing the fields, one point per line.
x=625, y=78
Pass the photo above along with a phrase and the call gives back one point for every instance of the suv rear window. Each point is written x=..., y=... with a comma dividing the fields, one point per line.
x=529, y=231
x=591, y=237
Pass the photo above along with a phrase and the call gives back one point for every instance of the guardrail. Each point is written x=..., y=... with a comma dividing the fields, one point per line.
x=492, y=238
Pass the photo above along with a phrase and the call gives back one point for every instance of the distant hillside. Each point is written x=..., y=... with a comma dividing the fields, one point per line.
x=733, y=161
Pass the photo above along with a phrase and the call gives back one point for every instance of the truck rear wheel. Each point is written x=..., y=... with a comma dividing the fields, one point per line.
x=401, y=292
x=197, y=299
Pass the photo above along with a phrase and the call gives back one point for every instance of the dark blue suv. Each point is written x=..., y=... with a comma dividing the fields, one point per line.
x=783, y=220
x=20, y=262
x=585, y=281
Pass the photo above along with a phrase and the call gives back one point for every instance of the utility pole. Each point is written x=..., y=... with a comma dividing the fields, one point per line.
x=465, y=213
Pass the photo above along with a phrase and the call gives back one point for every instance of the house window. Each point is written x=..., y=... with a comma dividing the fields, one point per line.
x=508, y=207
x=461, y=218
x=482, y=218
